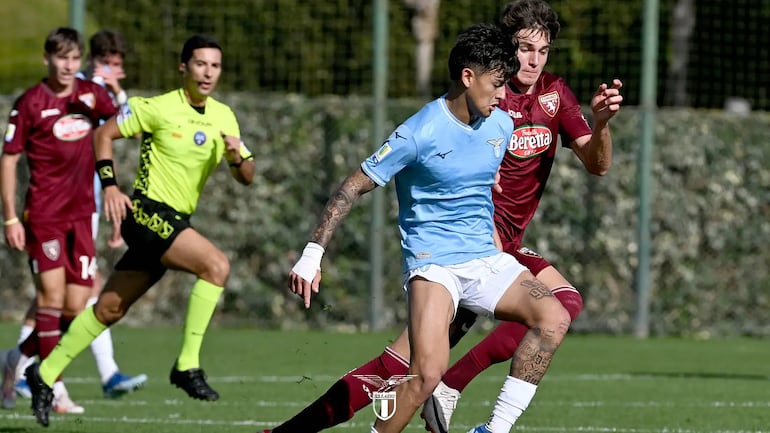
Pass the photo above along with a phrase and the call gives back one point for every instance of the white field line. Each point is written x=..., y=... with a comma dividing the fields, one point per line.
x=477, y=403
x=349, y=425
x=483, y=378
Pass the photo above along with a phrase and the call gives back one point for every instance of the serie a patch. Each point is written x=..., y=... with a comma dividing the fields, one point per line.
x=384, y=150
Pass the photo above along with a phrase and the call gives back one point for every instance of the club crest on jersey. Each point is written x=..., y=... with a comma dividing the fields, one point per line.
x=496, y=143
x=549, y=103
x=383, y=151
x=199, y=138
x=530, y=141
x=51, y=249
x=72, y=127
x=88, y=99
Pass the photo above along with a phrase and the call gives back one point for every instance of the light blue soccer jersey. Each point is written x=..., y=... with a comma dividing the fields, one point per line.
x=444, y=171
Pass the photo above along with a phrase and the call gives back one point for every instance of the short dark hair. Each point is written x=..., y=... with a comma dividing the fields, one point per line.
x=530, y=14
x=105, y=43
x=63, y=39
x=483, y=48
x=195, y=42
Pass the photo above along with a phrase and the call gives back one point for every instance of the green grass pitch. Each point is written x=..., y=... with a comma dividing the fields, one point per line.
x=595, y=384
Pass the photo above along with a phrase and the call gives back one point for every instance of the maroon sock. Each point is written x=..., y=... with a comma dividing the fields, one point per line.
x=500, y=344
x=66, y=321
x=48, y=329
x=30, y=346
x=345, y=397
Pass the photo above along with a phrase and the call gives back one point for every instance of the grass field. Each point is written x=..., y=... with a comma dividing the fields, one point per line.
x=596, y=384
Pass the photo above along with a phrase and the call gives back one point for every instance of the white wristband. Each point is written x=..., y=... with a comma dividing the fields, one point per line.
x=308, y=265
x=121, y=98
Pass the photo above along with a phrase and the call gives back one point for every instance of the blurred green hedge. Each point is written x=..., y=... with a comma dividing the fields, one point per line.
x=711, y=223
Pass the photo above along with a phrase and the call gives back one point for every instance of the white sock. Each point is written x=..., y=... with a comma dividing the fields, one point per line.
x=59, y=389
x=24, y=332
x=513, y=400
x=24, y=360
x=103, y=352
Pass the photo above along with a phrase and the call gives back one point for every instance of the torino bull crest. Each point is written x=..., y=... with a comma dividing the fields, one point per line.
x=383, y=399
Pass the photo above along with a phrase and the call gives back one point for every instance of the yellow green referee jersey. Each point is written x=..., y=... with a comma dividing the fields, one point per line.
x=180, y=146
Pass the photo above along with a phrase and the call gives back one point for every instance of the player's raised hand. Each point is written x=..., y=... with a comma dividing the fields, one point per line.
x=110, y=76
x=305, y=276
x=606, y=101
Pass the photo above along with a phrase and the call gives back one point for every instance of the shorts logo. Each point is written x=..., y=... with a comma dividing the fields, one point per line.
x=383, y=400
x=153, y=222
x=527, y=252
x=199, y=138
x=51, y=249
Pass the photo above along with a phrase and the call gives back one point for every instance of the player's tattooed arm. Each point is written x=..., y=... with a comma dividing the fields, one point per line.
x=339, y=205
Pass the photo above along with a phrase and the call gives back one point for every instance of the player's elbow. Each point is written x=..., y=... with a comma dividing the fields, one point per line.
x=599, y=168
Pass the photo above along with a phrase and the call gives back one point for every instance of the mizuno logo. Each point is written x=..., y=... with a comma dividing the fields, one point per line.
x=399, y=135
x=443, y=155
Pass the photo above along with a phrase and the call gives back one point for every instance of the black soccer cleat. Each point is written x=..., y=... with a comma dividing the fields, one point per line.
x=42, y=394
x=193, y=382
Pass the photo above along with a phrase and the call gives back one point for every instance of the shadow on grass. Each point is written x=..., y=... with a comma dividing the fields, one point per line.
x=700, y=375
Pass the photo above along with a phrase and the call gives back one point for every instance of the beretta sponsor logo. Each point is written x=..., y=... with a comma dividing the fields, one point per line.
x=72, y=127
x=530, y=141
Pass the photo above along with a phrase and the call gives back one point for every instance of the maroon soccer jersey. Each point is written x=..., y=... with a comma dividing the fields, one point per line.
x=56, y=135
x=538, y=119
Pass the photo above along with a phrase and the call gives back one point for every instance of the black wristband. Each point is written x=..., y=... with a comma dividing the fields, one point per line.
x=238, y=164
x=106, y=171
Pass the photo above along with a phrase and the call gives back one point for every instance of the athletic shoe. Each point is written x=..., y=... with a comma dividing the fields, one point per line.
x=480, y=429
x=22, y=388
x=63, y=404
x=120, y=384
x=42, y=394
x=438, y=408
x=9, y=360
x=193, y=382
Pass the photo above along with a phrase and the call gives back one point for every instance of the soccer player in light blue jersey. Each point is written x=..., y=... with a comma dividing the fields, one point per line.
x=444, y=160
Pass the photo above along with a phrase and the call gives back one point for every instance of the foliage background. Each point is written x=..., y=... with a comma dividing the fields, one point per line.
x=325, y=46
x=711, y=223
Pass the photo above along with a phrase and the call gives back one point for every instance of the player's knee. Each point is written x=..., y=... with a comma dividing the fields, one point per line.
x=217, y=269
x=108, y=312
x=424, y=383
x=554, y=320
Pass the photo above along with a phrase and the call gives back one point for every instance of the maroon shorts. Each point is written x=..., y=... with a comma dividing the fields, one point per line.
x=67, y=244
x=532, y=260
